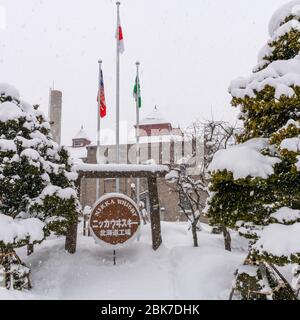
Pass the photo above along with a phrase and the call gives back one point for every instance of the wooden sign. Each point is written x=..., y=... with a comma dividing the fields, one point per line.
x=115, y=220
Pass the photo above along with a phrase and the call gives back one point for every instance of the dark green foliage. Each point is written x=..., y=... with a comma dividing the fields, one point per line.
x=265, y=285
x=23, y=179
x=36, y=181
x=286, y=47
x=247, y=204
x=249, y=287
x=263, y=115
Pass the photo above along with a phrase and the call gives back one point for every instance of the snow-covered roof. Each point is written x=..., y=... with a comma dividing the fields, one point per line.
x=86, y=167
x=77, y=153
x=82, y=135
x=158, y=138
x=155, y=117
x=291, y=8
x=175, y=135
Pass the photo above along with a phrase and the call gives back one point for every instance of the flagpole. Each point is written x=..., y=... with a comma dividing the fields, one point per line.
x=98, y=127
x=137, y=131
x=118, y=100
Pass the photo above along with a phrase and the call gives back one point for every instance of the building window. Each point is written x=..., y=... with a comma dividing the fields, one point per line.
x=77, y=143
x=109, y=185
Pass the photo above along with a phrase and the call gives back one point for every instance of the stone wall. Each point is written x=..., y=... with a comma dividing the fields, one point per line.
x=55, y=110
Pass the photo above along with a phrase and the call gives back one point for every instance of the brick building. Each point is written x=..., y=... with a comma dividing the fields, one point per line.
x=160, y=143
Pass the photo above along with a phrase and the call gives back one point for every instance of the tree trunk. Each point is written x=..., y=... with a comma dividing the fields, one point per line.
x=227, y=239
x=71, y=238
x=30, y=249
x=194, y=232
x=154, y=212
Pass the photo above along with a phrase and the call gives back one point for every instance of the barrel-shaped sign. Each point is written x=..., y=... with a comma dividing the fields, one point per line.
x=115, y=220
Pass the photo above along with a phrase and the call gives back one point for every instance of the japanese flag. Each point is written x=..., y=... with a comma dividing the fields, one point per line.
x=119, y=36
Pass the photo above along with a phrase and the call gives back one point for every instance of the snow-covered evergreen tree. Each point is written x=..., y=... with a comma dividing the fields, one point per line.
x=284, y=29
x=37, y=189
x=256, y=184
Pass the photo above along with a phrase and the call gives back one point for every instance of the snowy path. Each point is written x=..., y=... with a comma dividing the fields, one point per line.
x=175, y=271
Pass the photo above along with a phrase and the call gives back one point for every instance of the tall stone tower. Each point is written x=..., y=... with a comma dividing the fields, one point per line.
x=55, y=108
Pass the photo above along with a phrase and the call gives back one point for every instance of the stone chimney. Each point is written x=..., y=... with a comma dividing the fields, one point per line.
x=55, y=109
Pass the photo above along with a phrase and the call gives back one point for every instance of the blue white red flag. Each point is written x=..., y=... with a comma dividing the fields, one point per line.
x=101, y=98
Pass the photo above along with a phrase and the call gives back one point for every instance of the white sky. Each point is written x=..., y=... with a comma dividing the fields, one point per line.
x=189, y=51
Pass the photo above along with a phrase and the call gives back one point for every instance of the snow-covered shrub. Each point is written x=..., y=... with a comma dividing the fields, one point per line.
x=255, y=185
x=14, y=272
x=37, y=188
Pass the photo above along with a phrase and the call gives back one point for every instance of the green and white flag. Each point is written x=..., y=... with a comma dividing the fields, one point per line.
x=137, y=92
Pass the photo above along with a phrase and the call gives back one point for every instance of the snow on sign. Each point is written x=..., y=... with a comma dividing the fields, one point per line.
x=115, y=220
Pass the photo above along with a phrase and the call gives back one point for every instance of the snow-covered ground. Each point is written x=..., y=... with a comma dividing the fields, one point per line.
x=175, y=271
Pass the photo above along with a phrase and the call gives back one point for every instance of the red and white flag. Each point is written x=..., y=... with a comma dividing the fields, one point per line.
x=119, y=36
x=101, y=98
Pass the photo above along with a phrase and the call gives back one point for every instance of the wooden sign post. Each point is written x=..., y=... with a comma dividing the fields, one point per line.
x=98, y=171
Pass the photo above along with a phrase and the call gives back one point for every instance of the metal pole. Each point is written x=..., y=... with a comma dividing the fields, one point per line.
x=114, y=253
x=118, y=99
x=98, y=128
x=137, y=131
x=49, y=106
